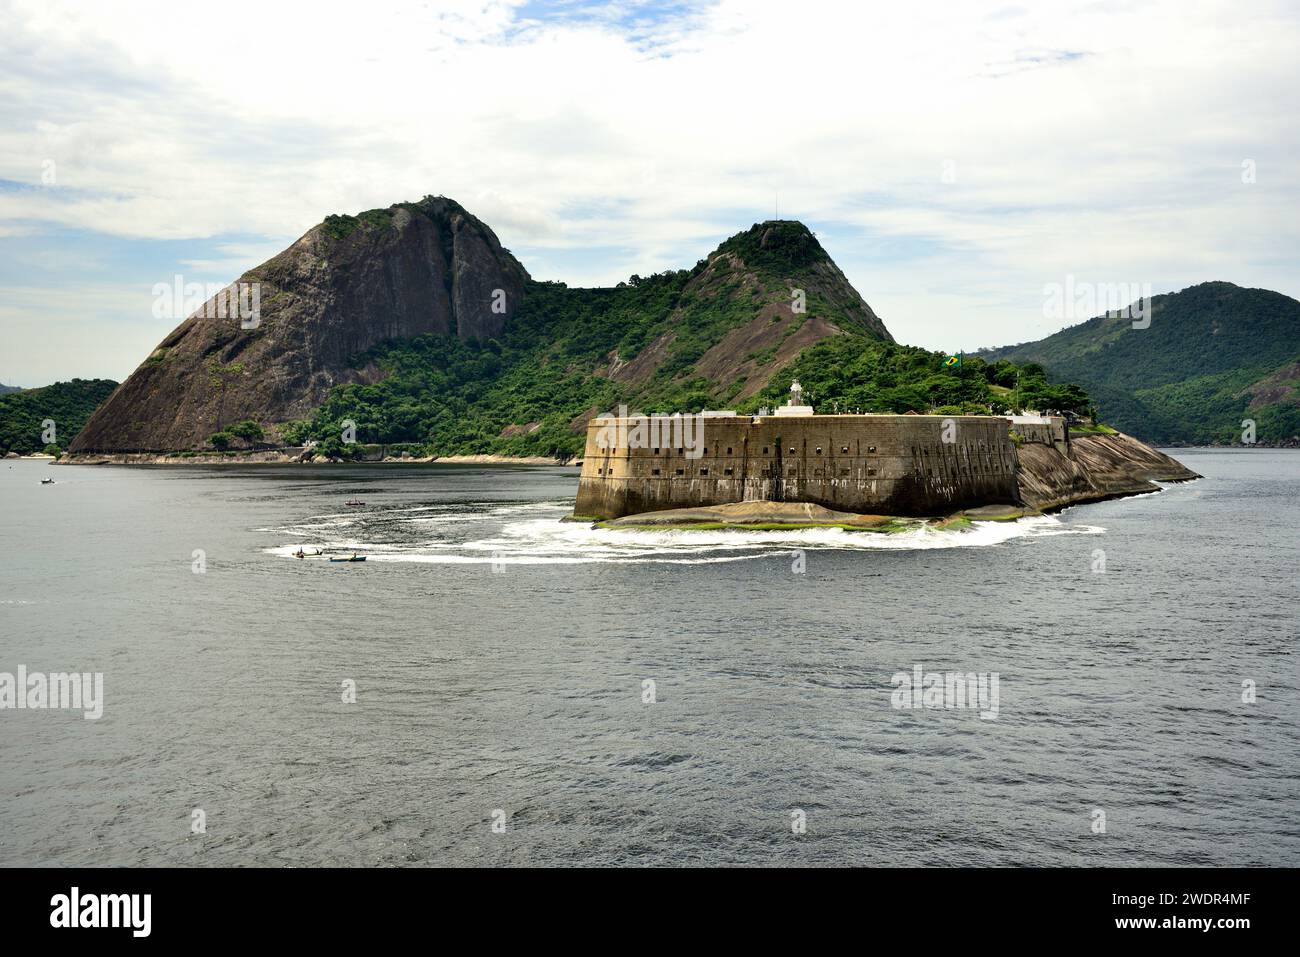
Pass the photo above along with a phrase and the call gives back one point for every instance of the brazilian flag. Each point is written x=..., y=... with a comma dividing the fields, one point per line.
x=953, y=362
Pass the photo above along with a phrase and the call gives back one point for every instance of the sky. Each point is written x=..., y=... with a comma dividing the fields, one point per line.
x=955, y=159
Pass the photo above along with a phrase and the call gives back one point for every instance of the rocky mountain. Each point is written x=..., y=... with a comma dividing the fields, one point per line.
x=412, y=327
x=430, y=272
x=9, y=388
x=746, y=311
x=1214, y=355
x=717, y=335
x=347, y=285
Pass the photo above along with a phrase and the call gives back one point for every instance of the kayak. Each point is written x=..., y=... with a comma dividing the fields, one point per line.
x=354, y=558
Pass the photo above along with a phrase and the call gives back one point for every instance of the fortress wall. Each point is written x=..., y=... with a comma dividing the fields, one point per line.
x=887, y=464
x=1055, y=434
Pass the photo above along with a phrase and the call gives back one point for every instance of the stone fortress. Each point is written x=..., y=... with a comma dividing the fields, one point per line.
x=918, y=465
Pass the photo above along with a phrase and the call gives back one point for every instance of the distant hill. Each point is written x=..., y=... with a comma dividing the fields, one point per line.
x=9, y=388
x=1214, y=355
x=68, y=404
x=414, y=323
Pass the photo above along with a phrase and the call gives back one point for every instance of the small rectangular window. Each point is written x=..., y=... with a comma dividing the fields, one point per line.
x=872, y=448
x=871, y=471
x=656, y=451
x=681, y=471
x=704, y=471
x=654, y=471
x=765, y=450
x=727, y=471
x=728, y=449
x=844, y=450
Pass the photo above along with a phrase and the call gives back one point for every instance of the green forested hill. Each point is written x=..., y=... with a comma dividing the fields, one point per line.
x=768, y=304
x=68, y=404
x=1214, y=355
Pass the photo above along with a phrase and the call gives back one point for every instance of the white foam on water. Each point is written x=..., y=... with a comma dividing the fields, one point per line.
x=532, y=534
x=444, y=519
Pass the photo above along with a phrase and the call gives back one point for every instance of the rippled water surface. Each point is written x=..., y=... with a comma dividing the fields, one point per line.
x=499, y=658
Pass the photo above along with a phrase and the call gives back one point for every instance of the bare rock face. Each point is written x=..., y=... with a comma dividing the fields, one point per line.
x=1097, y=467
x=347, y=285
x=481, y=298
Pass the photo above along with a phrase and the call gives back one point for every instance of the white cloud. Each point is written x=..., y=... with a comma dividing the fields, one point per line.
x=1103, y=140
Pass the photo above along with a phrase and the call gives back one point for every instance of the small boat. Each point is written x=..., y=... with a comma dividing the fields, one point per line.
x=354, y=502
x=47, y=481
x=354, y=558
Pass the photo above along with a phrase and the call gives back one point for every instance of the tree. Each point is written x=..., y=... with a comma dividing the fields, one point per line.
x=295, y=432
x=1003, y=373
x=902, y=398
x=248, y=430
x=221, y=440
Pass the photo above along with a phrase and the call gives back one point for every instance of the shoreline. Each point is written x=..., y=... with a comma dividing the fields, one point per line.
x=273, y=457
